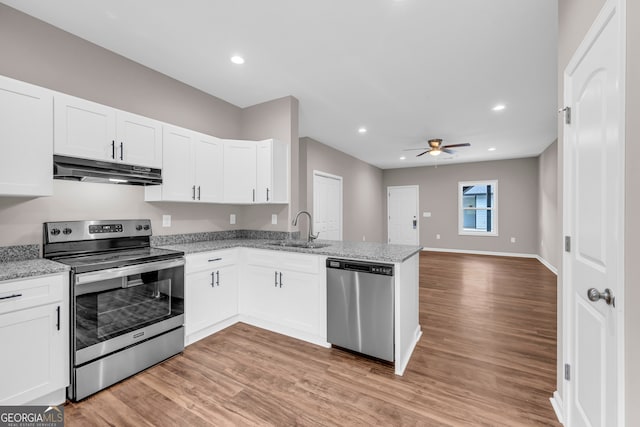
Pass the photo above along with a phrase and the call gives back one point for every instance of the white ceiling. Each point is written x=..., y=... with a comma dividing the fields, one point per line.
x=407, y=70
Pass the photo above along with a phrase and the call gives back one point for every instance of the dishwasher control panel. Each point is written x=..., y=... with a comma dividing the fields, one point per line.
x=360, y=266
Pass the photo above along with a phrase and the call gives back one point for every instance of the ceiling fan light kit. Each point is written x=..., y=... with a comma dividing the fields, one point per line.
x=436, y=147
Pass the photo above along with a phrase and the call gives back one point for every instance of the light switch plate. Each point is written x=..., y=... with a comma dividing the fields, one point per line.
x=426, y=214
x=513, y=240
x=166, y=220
x=274, y=218
x=232, y=219
x=438, y=236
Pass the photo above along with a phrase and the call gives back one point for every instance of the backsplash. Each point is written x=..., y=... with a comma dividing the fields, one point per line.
x=176, y=239
x=19, y=253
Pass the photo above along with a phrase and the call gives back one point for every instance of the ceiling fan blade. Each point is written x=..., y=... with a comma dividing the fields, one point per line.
x=414, y=149
x=466, y=144
x=446, y=150
x=425, y=152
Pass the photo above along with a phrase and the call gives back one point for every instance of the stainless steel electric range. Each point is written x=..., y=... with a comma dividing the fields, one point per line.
x=127, y=299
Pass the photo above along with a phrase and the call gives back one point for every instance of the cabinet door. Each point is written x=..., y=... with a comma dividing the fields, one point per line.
x=84, y=129
x=209, y=168
x=26, y=132
x=211, y=297
x=33, y=361
x=259, y=293
x=139, y=140
x=178, y=174
x=264, y=172
x=225, y=304
x=299, y=297
x=239, y=171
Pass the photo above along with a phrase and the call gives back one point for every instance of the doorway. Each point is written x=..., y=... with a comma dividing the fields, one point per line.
x=327, y=205
x=402, y=215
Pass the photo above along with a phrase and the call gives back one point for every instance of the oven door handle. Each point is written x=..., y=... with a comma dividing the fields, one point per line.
x=112, y=273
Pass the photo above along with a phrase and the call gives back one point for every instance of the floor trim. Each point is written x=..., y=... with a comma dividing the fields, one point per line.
x=509, y=254
x=556, y=403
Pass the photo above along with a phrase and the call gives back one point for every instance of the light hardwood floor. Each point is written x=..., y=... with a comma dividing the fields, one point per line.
x=487, y=357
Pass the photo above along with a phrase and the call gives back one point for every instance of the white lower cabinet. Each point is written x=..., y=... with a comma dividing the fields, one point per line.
x=281, y=291
x=211, y=292
x=34, y=332
x=286, y=290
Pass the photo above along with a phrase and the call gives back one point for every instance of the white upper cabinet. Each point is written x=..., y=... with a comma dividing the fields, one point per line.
x=272, y=166
x=192, y=168
x=93, y=131
x=239, y=171
x=256, y=171
x=26, y=135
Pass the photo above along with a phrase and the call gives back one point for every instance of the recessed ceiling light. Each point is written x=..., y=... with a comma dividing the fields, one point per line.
x=403, y=158
x=492, y=149
x=362, y=130
x=237, y=59
x=499, y=107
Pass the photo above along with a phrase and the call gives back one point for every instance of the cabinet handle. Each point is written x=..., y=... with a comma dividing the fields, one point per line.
x=276, y=277
x=280, y=279
x=11, y=296
x=193, y=192
x=214, y=259
x=218, y=277
x=213, y=279
x=198, y=192
x=121, y=151
x=267, y=194
x=254, y=194
x=113, y=149
x=58, y=321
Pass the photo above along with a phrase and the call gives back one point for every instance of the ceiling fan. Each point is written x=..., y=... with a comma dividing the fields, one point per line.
x=436, y=147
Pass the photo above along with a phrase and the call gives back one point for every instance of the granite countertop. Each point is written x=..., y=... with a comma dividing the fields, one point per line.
x=10, y=270
x=353, y=250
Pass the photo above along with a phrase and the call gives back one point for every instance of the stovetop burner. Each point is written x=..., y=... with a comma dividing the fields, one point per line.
x=114, y=259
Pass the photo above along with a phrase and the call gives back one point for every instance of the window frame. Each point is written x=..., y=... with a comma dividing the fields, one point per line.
x=494, y=209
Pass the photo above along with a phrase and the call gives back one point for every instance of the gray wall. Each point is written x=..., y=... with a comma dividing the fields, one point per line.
x=39, y=53
x=362, y=190
x=548, y=205
x=632, y=207
x=517, y=203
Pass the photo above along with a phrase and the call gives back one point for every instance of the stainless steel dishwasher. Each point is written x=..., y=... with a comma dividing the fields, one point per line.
x=360, y=307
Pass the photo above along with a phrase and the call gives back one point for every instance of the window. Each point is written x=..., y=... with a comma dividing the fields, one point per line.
x=478, y=208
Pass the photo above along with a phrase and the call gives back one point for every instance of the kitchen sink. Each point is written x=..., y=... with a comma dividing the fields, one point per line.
x=298, y=244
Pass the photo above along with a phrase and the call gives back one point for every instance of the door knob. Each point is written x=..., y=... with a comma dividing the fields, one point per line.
x=595, y=295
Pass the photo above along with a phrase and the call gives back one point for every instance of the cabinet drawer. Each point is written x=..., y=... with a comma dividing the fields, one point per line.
x=208, y=260
x=21, y=294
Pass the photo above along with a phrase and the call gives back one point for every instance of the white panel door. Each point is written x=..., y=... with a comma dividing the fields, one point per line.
x=209, y=168
x=327, y=206
x=26, y=132
x=239, y=171
x=593, y=218
x=402, y=215
x=139, y=140
x=84, y=129
x=178, y=174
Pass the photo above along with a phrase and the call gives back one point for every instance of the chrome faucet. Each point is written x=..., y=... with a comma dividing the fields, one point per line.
x=311, y=237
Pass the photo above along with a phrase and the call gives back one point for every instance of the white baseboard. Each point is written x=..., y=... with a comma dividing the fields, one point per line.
x=556, y=403
x=509, y=254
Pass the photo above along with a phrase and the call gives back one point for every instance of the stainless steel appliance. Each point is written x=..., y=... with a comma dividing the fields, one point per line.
x=360, y=307
x=75, y=169
x=127, y=299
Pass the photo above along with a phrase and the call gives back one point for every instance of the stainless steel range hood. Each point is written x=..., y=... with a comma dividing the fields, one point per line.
x=84, y=170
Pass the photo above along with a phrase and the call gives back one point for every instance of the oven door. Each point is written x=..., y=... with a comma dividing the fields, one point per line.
x=119, y=307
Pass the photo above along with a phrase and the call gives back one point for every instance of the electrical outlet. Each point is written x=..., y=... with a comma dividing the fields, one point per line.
x=513, y=240
x=166, y=220
x=232, y=219
x=438, y=236
x=274, y=218
x=363, y=238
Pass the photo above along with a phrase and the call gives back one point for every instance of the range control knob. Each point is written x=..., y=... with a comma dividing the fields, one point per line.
x=55, y=231
x=66, y=231
x=138, y=227
x=146, y=227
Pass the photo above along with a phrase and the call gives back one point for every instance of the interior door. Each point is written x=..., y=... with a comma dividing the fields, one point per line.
x=402, y=215
x=593, y=219
x=327, y=206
